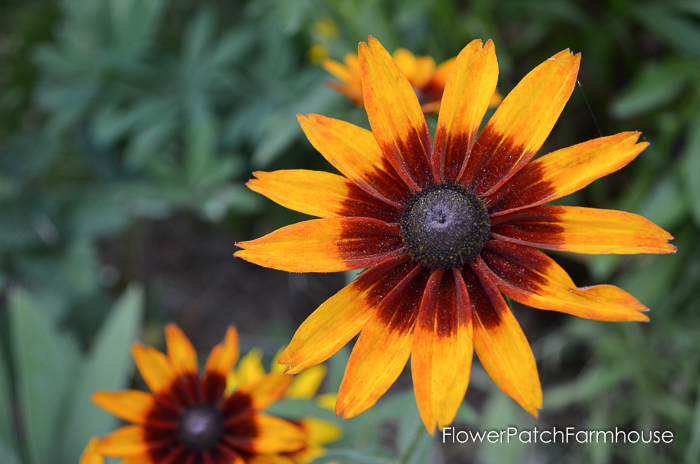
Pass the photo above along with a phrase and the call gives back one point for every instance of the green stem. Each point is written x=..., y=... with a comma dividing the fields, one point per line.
x=414, y=443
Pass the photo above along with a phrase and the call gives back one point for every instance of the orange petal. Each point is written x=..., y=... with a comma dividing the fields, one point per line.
x=307, y=383
x=224, y=355
x=395, y=115
x=320, y=432
x=439, y=79
x=267, y=390
x=130, y=405
x=221, y=359
x=532, y=278
x=90, y=454
x=383, y=348
x=340, y=71
x=441, y=355
x=274, y=435
x=565, y=171
x=355, y=153
x=325, y=245
x=425, y=68
x=125, y=442
x=321, y=194
x=342, y=316
x=181, y=353
x=418, y=70
x=154, y=367
x=521, y=123
x=500, y=343
x=582, y=230
x=271, y=459
x=138, y=460
x=464, y=104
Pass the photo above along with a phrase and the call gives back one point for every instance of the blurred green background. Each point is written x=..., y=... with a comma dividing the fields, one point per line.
x=129, y=127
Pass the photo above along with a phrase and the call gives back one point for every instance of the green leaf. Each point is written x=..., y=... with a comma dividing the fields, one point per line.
x=7, y=424
x=502, y=412
x=656, y=85
x=7, y=455
x=45, y=362
x=678, y=32
x=198, y=35
x=108, y=367
x=665, y=204
x=300, y=408
x=692, y=453
x=691, y=168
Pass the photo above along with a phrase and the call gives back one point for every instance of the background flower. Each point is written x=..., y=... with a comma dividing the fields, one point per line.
x=191, y=417
x=427, y=79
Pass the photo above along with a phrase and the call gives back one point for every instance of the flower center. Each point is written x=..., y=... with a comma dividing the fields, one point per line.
x=200, y=428
x=445, y=226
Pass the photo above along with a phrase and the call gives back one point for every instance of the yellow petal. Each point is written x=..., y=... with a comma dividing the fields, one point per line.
x=250, y=369
x=306, y=383
x=522, y=122
x=532, y=278
x=395, y=115
x=501, y=345
x=325, y=245
x=321, y=194
x=565, y=171
x=154, y=368
x=267, y=390
x=125, y=442
x=355, y=152
x=383, y=348
x=441, y=355
x=465, y=101
x=130, y=405
x=582, y=230
x=90, y=454
x=342, y=316
x=181, y=353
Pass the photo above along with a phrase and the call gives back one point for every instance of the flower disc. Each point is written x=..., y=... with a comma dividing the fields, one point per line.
x=201, y=427
x=445, y=226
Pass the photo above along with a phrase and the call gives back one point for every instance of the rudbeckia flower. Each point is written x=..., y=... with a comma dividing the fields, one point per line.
x=445, y=229
x=427, y=79
x=189, y=418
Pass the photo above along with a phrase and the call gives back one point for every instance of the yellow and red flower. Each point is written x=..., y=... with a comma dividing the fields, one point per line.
x=190, y=418
x=427, y=79
x=445, y=229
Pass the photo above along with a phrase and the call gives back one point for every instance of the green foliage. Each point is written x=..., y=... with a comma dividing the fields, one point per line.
x=116, y=113
x=54, y=380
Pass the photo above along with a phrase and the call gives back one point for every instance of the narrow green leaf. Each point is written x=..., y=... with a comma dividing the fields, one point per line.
x=675, y=30
x=7, y=427
x=8, y=455
x=665, y=204
x=691, y=168
x=108, y=367
x=655, y=86
x=45, y=362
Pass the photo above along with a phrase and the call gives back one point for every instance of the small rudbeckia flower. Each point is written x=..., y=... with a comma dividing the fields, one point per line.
x=189, y=418
x=427, y=79
x=304, y=386
x=444, y=229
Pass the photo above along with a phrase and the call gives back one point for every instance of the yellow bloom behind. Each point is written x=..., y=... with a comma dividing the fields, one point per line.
x=427, y=79
x=304, y=386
